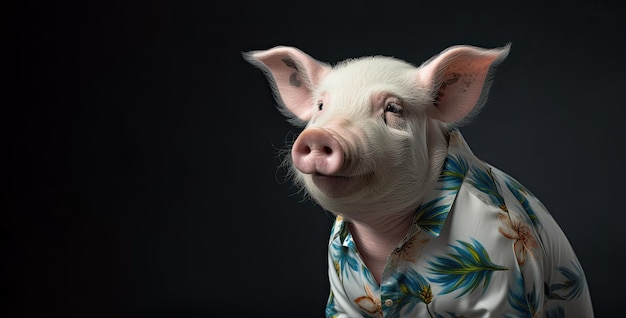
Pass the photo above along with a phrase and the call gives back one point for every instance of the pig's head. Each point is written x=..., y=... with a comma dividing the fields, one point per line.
x=375, y=128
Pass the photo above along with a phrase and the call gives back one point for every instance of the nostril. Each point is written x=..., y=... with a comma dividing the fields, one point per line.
x=317, y=151
x=302, y=148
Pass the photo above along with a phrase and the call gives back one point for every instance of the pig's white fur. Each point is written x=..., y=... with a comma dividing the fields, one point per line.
x=398, y=162
x=401, y=162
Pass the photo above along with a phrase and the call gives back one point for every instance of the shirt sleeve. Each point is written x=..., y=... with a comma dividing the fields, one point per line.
x=565, y=286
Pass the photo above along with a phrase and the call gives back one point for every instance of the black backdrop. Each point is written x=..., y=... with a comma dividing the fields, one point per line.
x=142, y=177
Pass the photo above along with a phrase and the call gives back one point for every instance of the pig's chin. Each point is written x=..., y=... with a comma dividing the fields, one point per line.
x=338, y=186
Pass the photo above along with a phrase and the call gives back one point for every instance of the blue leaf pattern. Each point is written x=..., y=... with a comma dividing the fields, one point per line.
x=573, y=285
x=342, y=256
x=556, y=312
x=470, y=267
x=431, y=216
x=331, y=310
x=483, y=181
x=454, y=171
x=411, y=289
x=520, y=194
x=524, y=304
x=442, y=276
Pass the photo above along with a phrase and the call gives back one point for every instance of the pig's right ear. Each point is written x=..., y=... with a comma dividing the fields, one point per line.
x=459, y=80
x=293, y=75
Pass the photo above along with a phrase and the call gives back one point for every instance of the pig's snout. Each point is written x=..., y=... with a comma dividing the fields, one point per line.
x=316, y=151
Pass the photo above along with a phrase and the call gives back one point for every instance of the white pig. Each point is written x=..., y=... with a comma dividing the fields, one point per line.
x=423, y=227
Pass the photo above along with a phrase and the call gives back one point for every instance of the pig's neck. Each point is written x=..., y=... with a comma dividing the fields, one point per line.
x=376, y=237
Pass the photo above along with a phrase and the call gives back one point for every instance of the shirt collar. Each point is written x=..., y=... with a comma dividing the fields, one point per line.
x=431, y=215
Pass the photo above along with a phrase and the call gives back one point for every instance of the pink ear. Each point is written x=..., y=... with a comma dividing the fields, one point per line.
x=460, y=78
x=293, y=76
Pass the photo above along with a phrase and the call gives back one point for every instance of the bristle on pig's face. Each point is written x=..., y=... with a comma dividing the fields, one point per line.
x=374, y=128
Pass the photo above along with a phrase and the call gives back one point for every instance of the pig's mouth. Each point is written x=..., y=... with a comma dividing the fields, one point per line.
x=336, y=186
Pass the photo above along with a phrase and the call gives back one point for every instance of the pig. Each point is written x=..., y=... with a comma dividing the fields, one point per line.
x=422, y=226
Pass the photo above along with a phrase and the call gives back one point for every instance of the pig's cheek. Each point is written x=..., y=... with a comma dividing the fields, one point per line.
x=338, y=186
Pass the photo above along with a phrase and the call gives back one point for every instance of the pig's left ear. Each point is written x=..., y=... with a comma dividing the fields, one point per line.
x=293, y=76
x=459, y=79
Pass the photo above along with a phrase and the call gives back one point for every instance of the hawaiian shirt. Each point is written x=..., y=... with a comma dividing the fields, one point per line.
x=481, y=245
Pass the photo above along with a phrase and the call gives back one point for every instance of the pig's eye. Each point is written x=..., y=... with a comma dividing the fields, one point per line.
x=320, y=105
x=393, y=108
x=393, y=114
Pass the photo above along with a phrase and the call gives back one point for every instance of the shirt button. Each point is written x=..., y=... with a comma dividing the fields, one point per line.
x=388, y=302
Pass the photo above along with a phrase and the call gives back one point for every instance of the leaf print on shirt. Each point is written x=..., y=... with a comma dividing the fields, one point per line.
x=454, y=171
x=573, y=285
x=411, y=289
x=524, y=304
x=514, y=183
x=520, y=193
x=331, y=311
x=368, y=276
x=343, y=260
x=556, y=312
x=431, y=216
x=484, y=182
x=344, y=232
x=514, y=228
x=466, y=269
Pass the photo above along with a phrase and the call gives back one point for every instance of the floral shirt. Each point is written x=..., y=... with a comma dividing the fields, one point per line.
x=481, y=245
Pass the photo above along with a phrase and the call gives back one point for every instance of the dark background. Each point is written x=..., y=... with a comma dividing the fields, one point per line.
x=142, y=177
